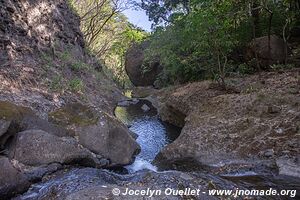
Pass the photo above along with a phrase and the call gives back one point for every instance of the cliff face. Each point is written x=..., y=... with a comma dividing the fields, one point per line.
x=42, y=56
x=29, y=27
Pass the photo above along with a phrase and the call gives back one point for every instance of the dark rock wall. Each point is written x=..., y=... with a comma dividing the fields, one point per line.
x=29, y=27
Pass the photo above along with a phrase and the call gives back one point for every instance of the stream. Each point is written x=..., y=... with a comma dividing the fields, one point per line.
x=152, y=134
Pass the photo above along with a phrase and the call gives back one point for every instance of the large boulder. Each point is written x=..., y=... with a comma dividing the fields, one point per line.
x=140, y=72
x=266, y=56
x=4, y=125
x=37, y=147
x=100, y=133
x=12, y=181
x=10, y=117
x=14, y=119
x=250, y=129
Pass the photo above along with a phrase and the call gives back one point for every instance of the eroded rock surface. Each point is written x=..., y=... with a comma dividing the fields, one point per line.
x=288, y=166
x=255, y=125
x=99, y=132
x=14, y=119
x=36, y=147
x=98, y=184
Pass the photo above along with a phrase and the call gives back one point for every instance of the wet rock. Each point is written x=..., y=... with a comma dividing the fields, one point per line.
x=145, y=108
x=12, y=181
x=37, y=147
x=269, y=153
x=288, y=167
x=135, y=66
x=35, y=174
x=98, y=184
x=98, y=132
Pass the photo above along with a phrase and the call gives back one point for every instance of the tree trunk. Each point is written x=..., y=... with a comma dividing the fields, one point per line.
x=221, y=72
x=255, y=21
x=285, y=42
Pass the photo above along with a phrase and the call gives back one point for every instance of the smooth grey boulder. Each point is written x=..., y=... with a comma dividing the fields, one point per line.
x=12, y=181
x=110, y=139
x=98, y=132
x=15, y=118
x=37, y=147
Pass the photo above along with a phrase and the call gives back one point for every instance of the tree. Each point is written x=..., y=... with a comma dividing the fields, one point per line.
x=197, y=44
x=127, y=37
x=101, y=22
x=159, y=11
x=107, y=32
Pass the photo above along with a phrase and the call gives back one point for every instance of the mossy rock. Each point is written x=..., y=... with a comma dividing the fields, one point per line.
x=10, y=111
x=74, y=114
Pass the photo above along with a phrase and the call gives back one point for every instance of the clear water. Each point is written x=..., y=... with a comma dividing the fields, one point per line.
x=153, y=134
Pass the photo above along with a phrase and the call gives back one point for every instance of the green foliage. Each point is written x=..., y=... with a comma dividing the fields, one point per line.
x=107, y=34
x=68, y=60
x=79, y=66
x=199, y=35
x=116, y=57
x=65, y=56
x=193, y=39
x=56, y=84
x=245, y=69
x=282, y=66
x=197, y=44
x=76, y=85
x=47, y=61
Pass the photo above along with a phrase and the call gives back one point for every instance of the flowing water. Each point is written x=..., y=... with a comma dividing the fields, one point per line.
x=153, y=134
x=141, y=118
